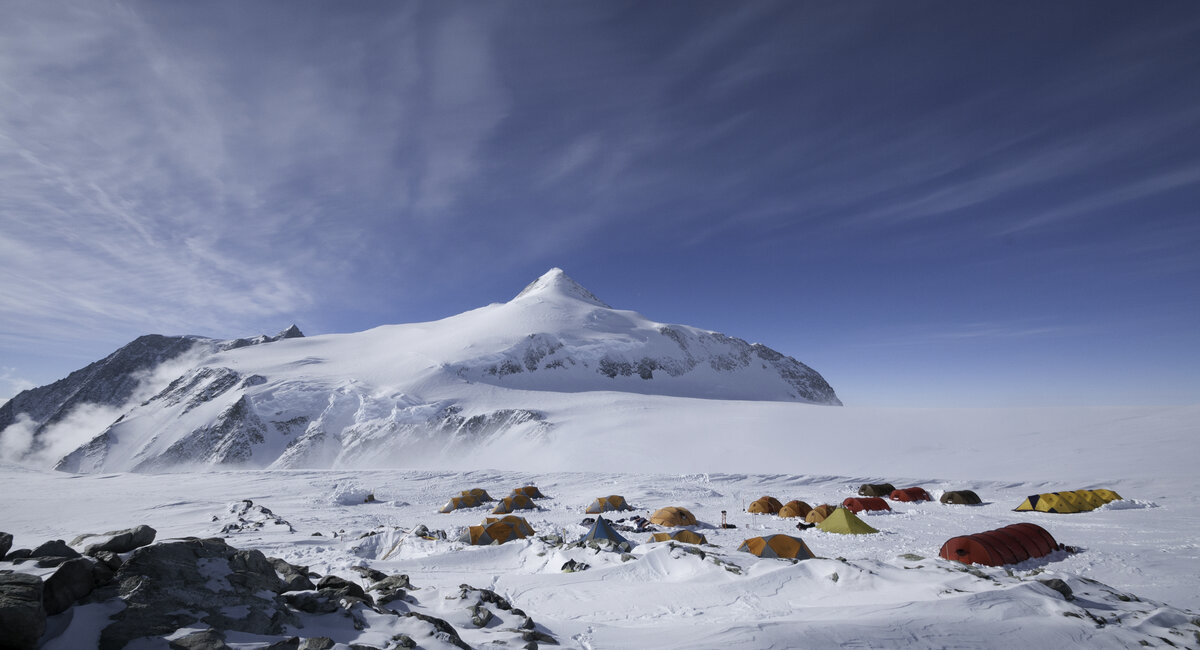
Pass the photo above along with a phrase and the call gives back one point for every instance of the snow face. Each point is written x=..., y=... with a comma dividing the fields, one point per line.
x=507, y=375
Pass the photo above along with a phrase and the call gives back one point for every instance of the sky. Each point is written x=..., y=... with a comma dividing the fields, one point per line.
x=932, y=204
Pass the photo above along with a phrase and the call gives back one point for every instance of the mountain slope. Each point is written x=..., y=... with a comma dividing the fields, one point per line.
x=400, y=393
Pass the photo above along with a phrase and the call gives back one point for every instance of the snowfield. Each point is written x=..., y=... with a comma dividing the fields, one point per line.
x=1133, y=578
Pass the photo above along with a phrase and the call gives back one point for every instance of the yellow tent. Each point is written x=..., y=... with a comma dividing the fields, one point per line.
x=795, y=509
x=1067, y=502
x=819, y=513
x=777, y=546
x=497, y=531
x=765, y=506
x=530, y=491
x=846, y=523
x=608, y=504
x=465, y=501
x=479, y=493
x=685, y=536
x=515, y=502
x=673, y=516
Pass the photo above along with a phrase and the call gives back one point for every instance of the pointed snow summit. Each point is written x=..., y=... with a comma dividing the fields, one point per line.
x=556, y=283
x=549, y=362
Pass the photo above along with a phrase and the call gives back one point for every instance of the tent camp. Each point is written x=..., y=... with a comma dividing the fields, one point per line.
x=875, y=489
x=777, y=546
x=844, y=522
x=515, y=502
x=685, y=536
x=819, y=513
x=603, y=532
x=673, y=516
x=794, y=509
x=961, y=498
x=610, y=503
x=869, y=504
x=911, y=494
x=497, y=531
x=1008, y=545
x=1067, y=502
x=765, y=506
x=530, y=491
x=456, y=503
x=479, y=493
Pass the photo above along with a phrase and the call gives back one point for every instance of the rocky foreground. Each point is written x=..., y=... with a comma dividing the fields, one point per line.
x=203, y=594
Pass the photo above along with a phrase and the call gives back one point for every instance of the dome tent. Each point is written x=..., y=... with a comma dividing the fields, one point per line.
x=819, y=513
x=515, y=502
x=685, y=536
x=497, y=531
x=765, y=506
x=610, y=503
x=479, y=493
x=778, y=546
x=530, y=491
x=794, y=509
x=457, y=503
x=672, y=516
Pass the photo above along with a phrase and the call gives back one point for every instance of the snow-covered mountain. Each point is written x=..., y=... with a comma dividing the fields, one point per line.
x=399, y=392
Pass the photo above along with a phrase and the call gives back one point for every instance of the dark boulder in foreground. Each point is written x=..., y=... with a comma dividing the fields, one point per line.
x=22, y=617
x=117, y=541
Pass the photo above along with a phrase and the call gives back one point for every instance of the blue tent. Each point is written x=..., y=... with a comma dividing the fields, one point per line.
x=602, y=531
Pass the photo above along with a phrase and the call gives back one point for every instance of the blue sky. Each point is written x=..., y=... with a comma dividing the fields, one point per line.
x=933, y=204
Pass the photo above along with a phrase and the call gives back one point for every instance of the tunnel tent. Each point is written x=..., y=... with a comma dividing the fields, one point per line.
x=1070, y=501
x=961, y=498
x=778, y=546
x=910, y=495
x=685, y=536
x=610, y=503
x=673, y=516
x=1008, y=545
x=868, y=504
x=512, y=503
x=458, y=503
x=844, y=522
x=819, y=513
x=875, y=489
x=794, y=509
x=765, y=506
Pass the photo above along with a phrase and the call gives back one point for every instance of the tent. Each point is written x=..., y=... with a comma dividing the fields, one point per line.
x=910, y=494
x=876, y=489
x=673, y=516
x=819, y=513
x=844, y=522
x=870, y=504
x=1066, y=502
x=497, y=531
x=602, y=531
x=610, y=503
x=479, y=493
x=685, y=536
x=530, y=491
x=1008, y=545
x=961, y=498
x=516, y=502
x=456, y=503
x=765, y=506
x=777, y=546
x=795, y=509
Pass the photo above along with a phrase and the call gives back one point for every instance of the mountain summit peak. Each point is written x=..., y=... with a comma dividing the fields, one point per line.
x=556, y=282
